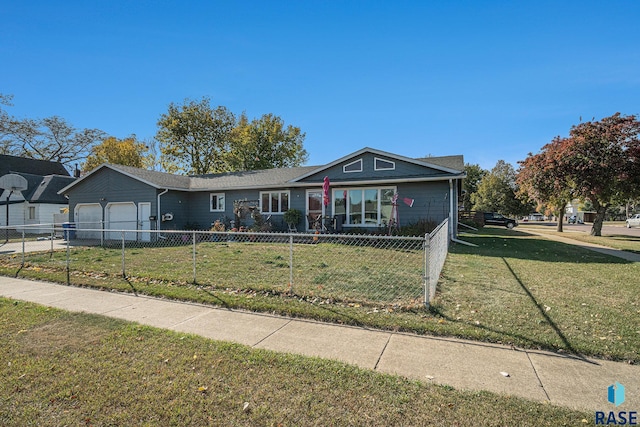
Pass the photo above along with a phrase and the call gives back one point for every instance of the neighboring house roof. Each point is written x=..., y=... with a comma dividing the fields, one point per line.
x=44, y=189
x=278, y=177
x=44, y=178
x=47, y=190
x=13, y=164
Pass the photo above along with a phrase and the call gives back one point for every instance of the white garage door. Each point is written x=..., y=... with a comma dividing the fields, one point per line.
x=121, y=216
x=88, y=219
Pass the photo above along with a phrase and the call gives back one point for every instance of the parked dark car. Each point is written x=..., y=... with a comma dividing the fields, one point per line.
x=493, y=218
x=575, y=220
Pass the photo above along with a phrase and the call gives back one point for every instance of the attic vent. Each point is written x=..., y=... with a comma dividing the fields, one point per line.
x=353, y=166
x=384, y=165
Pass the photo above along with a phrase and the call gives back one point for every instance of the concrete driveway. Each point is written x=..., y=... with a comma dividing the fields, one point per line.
x=32, y=246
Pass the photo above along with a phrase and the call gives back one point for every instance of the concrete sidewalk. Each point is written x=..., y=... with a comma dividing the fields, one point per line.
x=541, y=376
x=628, y=256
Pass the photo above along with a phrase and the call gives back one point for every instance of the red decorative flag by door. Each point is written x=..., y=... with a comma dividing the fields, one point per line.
x=325, y=191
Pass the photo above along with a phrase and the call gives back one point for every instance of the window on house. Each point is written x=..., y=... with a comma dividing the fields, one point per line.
x=384, y=165
x=32, y=212
x=364, y=206
x=353, y=166
x=274, y=202
x=217, y=202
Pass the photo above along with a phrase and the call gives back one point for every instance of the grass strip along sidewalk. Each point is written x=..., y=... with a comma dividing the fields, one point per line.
x=514, y=288
x=61, y=368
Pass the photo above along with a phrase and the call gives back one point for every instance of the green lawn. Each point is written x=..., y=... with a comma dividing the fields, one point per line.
x=346, y=272
x=521, y=288
x=514, y=288
x=60, y=368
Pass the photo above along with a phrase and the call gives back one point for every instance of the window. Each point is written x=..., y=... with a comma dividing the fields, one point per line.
x=353, y=166
x=364, y=206
x=384, y=165
x=355, y=207
x=274, y=201
x=32, y=212
x=217, y=202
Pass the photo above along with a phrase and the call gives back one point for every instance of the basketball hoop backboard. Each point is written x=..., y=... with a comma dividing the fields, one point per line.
x=13, y=182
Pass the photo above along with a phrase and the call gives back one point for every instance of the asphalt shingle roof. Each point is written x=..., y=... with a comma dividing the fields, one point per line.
x=155, y=178
x=13, y=164
x=47, y=190
x=450, y=162
x=259, y=178
x=228, y=180
x=279, y=177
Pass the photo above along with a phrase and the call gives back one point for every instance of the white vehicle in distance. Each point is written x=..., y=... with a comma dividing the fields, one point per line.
x=634, y=221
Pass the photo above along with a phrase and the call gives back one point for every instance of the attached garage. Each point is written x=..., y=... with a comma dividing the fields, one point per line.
x=88, y=217
x=121, y=216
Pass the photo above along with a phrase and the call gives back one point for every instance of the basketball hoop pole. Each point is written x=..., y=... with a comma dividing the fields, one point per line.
x=7, y=230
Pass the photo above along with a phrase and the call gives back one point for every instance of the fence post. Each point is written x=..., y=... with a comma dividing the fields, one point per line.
x=53, y=230
x=101, y=234
x=291, y=263
x=427, y=285
x=194, y=258
x=23, y=247
x=124, y=274
x=68, y=259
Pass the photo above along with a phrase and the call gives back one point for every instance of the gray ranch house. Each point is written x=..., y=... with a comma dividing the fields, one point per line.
x=367, y=189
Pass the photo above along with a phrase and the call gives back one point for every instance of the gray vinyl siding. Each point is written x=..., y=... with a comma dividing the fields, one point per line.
x=431, y=202
x=402, y=170
x=107, y=186
x=175, y=203
x=200, y=211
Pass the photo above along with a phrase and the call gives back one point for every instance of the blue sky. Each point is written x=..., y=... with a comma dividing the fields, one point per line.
x=487, y=79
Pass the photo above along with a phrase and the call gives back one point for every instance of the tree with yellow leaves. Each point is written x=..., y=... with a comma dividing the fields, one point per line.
x=127, y=152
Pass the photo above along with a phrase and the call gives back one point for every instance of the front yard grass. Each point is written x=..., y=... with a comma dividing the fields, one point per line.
x=523, y=289
x=61, y=368
x=514, y=288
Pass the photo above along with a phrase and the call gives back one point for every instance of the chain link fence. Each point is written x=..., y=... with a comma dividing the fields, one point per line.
x=436, y=249
x=357, y=269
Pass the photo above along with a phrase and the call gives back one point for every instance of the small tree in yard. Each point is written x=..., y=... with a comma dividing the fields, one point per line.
x=470, y=184
x=497, y=192
x=545, y=178
x=604, y=157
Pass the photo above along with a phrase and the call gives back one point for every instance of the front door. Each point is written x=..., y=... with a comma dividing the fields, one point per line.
x=315, y=210
x=144, y=223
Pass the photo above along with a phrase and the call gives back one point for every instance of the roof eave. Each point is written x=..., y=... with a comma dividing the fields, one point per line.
x=115, y=169
x=336, y=183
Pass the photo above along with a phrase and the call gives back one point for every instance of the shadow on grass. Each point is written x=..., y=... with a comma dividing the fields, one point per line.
x=624, y=237
x=133, y=288
x=219, y=301
x=522, y=338
x=521, y=245
x=545, y=316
